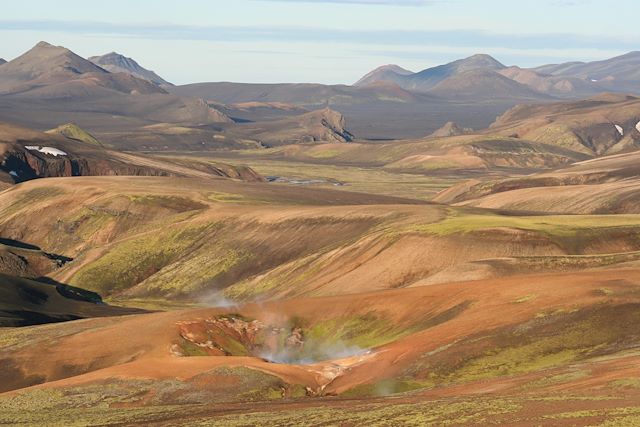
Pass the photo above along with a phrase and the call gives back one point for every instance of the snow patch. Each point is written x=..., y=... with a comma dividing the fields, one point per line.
x=620, y=130
x=638, y=126
x=594, y=80
x=46, y=150
x=13, y=173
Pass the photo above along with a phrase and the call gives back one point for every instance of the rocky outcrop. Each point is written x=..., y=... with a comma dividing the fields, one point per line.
x=325, y=125
x=69, y=151
x=334, y=126
x=23, y=165
x=450, y=129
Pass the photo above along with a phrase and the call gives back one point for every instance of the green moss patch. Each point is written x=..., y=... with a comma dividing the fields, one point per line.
x=552, y=341
x=132, y=261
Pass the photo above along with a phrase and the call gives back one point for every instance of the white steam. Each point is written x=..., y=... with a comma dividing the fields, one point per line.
x=313, y=351
x=217, y=299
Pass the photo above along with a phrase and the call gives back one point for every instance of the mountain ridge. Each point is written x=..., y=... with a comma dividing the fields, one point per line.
x=117, y=63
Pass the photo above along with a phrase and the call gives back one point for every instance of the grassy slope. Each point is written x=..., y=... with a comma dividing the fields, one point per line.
x=184, y=242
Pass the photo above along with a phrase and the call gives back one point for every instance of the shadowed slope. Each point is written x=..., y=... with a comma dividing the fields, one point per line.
x=27, y=302
x=606, y=124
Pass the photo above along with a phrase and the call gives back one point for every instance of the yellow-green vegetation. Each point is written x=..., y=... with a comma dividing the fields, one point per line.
x=560, y=135
x=120, y=400
x=196, y=271
x=364, y=179
x=525, y=298
x=117, y=216
x=104, y=405
x=75, y=132
x=511, y=361
x=363, y=331
x=111, y=404
x=460, y=221
x=301, y=270
x=29, y=198
x=419, y=164
x=544, y=343
x=189, y=349
x=248, y=289
x=625, y=413
x=226, y=197
x=173, y=203
x=567, y=262
x=627, y=383
x=222, y=197
x=557, y=379
x=325, y=153
x=434, y=413
x=153, y=304
x=86, y=222
x=387, y=387
x=131, y=261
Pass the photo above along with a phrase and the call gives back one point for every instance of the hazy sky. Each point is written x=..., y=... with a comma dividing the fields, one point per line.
x=325, y=41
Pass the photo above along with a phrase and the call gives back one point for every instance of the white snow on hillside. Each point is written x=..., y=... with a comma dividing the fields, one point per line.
x=46, y=150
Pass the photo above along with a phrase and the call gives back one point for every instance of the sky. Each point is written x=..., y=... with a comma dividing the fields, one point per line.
x=320, y=41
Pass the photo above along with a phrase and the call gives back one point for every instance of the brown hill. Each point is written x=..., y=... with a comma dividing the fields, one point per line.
x=426, y=80
x=385, y=73
x=615, y=74
x=606, y=185
x=116, y=63
x=450, y=129
x=48, y=71
x=324, y=125
x=558, y=86
x=606, y=124
x=483, y=84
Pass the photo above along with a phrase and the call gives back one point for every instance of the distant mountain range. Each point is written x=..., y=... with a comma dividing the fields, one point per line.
x=113, y=91
x=48, y=71
x=482, y=75
x=49, y=85
x=427, y=79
